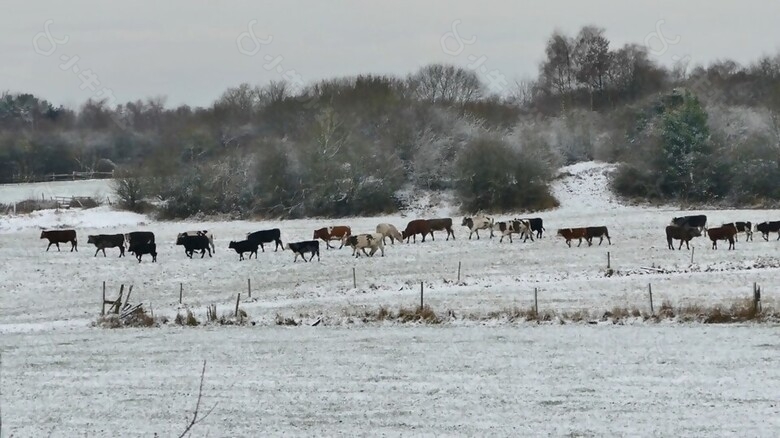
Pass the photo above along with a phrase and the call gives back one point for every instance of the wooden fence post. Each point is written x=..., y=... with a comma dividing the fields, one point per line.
x=238, y=299
x=181, y=292
x=609, y=261
x=103, y=306
x=756, y=297
x=127, y=298
x=458, y=271
x=422, y=301
x=354, y=278
x=693, y=251
x=249, y=286
x=650, y=291
x=536, y=301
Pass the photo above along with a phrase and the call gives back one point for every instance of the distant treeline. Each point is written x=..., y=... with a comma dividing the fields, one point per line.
x=365, y=144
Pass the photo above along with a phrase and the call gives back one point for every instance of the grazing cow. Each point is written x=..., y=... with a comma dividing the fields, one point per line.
x=138, y=237
x=683, y=234
x=388, y=230
x=415, y=227
x=722, y=233
x=332, y=233
x=194, y=243
x=696, y=221
x=141, y=248
x=742, y=227
x=769, y=227
x=301, y=248
x=103, y=241
x=601, y=232
x=205, y=233
x=573, y=233
x=477, y=223
x=56, y=237
x=536, y=224
x=362, y=241
x=266, y=236
x=441, y=224
x=243, y=246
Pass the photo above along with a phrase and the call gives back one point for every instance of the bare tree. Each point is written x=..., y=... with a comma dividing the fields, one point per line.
x=445, y=83
x=196, y=417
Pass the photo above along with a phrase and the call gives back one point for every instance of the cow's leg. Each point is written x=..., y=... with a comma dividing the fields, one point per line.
x=296, y=258
x=432, y=236
x=48, y=246
x=121, y=251
x=477, y=233
x=578, y=245
x=568, y=242
x=261, y=247
x=364, y=252
x=58, y=243
x=96, y=252
x=731, y=244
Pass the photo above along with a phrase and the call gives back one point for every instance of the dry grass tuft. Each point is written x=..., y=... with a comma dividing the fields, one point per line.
x=284, y=320
x=186, y=320
x=424, y=314
x=139, y=318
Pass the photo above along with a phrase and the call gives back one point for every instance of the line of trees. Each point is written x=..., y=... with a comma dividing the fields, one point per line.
x=365, y=144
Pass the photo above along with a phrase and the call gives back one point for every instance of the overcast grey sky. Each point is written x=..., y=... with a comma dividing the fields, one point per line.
x=187, y=50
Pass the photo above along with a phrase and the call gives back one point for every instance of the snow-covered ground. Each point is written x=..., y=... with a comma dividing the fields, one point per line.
x=462, y=379
x=529, y=381
x=96, y=188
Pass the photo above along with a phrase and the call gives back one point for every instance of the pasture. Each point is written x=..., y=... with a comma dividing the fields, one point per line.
x=60, y=377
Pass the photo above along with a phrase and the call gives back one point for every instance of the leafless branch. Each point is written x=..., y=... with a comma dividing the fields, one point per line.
x=195, y=418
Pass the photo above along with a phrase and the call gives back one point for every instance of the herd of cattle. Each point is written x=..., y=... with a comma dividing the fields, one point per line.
x=141, y=243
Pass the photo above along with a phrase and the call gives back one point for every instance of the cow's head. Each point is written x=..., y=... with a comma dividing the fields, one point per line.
x=91, y=239
x=43, y=234
x=232, y=244
x=467, y=222
x=180, y=239
x=404, y=235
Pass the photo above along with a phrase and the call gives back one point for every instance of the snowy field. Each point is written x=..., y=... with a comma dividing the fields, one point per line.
x=466, y=378
x=534, y=381
x=95, y=188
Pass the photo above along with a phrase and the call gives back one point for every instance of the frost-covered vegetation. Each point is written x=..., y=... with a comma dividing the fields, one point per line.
x=349, y=146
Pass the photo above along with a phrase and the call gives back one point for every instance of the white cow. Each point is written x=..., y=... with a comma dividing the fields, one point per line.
x=517, y=226
x=388, y=230
x=200, y=233
x=477, y=223
x=363, y=241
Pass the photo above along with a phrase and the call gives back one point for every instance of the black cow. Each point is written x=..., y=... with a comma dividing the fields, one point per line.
x=141, y=248
x=194, y=243
x=266, y=236
x=138, y=237
x=696, y=221
x=301, y=248
x=769, y=227
x=56, y=237
x=601, y=232
x=103, y=241
x=683, y=234
x=537, y=226
x=243, y=246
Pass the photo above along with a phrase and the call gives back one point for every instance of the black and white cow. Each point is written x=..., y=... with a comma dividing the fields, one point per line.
x=477, y=223
x=205, y=233
x=374, y=241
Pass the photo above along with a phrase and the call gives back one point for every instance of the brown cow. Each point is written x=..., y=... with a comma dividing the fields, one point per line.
x=327, y=234
x=441, y=224
x=61, y=236
x=683, y=234
x=415, y=227
x=573, y=233
x=722, y=233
